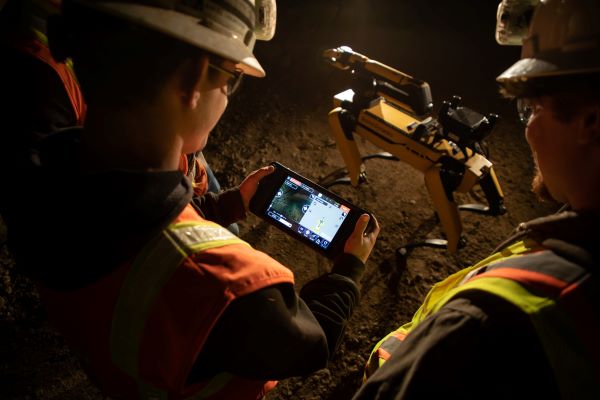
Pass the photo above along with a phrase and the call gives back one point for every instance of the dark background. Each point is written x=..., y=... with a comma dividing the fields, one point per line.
x=283, y=117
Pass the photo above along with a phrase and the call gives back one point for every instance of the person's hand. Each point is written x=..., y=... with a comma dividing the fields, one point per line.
x=360, y=243
x=249, y=185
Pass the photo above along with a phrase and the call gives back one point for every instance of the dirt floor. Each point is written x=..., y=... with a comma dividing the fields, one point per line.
x=284, y=118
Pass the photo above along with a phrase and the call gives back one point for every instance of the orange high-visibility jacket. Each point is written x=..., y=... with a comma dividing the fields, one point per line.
x=36, y=47
x=140, y=329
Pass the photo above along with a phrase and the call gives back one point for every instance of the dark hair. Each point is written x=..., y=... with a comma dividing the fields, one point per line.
x=117, y=63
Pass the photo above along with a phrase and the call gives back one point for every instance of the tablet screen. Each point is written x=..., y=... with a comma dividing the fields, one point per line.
x=306, y=211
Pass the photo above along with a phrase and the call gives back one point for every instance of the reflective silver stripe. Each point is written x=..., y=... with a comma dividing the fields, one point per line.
x=544, y=262
x=391, y=344
x=151, y=270
x=200, y=237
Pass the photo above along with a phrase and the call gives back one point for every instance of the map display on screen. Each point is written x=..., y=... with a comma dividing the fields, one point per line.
x=307, y=211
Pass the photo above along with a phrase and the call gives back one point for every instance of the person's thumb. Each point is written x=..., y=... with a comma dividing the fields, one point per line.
x=361, y=224
x=262, y=172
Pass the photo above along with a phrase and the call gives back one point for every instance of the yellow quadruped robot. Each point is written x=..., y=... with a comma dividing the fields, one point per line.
x=394, y=111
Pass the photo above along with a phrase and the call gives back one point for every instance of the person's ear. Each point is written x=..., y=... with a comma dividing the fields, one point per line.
x=590, y=125
x=194, y=99
x=193, y=75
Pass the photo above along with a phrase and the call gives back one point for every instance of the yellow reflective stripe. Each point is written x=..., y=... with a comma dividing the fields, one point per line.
x=195, y=237
x=440, y=290
x=566, y=354
x=151, y=270
x=506, y=289
x=214, y=386
x=40, y=36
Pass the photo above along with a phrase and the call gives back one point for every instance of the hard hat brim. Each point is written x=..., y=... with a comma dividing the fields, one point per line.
x=188, y=29
x=529, y=68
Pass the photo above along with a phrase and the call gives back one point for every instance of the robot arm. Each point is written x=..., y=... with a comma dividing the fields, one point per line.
x=395, y=86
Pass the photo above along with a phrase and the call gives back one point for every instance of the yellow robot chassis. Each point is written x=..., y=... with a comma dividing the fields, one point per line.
x=394, y=111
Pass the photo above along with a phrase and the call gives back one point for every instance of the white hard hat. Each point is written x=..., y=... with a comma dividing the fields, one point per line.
x=227, y=28
x=512, y=20
x=563, y=39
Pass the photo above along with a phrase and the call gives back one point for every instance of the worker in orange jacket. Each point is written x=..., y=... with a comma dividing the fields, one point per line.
x=157, y=298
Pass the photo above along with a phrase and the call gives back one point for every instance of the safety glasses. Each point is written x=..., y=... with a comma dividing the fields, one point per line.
x=235, y=78
x=525, y=109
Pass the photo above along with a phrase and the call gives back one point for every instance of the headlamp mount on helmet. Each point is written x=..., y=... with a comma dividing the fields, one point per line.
x=512, y=20
x=226, y=28
x=563, y=40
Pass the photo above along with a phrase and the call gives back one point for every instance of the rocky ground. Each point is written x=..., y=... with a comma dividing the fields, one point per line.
x=284, y=118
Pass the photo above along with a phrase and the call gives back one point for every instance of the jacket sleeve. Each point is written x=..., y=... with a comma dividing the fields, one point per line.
x=224, y=208
x=275, y=334
x=475, y=347
x=429, y=359
x=332, y=298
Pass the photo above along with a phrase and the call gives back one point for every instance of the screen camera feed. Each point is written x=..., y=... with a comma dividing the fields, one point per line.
x=308, y=212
